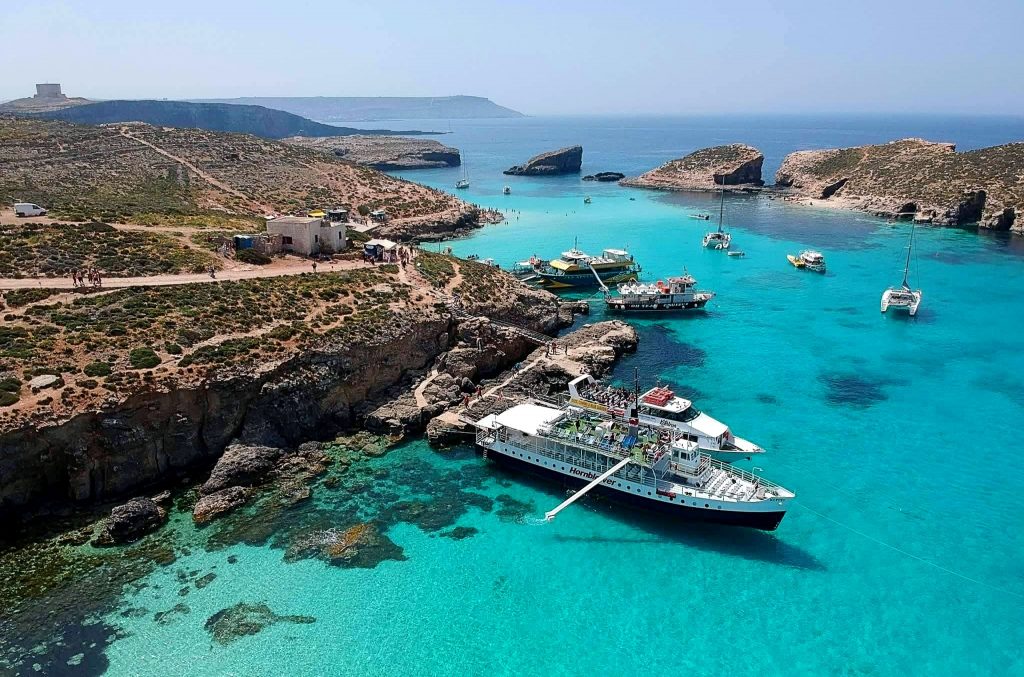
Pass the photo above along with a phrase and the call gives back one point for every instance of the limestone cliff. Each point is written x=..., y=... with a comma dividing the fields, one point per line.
x=384, y=152
x=914, y=178
x=736, y=166
x=562, y=161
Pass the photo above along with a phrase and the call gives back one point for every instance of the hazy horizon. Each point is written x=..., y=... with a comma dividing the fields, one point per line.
x=651, y=58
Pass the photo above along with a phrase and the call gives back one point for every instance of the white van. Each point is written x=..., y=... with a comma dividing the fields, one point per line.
x=28, y=209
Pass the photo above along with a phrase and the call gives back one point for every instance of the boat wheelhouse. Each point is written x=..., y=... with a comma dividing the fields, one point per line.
x=661, y=406
x=645, y=465
x=677, y=294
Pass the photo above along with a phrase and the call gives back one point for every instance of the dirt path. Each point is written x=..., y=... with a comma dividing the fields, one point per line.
x=277, y=269
x=421, y=401
x=217, y=183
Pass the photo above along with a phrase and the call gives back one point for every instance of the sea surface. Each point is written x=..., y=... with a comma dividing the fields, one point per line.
x=903, y=553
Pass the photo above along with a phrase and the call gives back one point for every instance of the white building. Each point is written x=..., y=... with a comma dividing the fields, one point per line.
x=308, y=234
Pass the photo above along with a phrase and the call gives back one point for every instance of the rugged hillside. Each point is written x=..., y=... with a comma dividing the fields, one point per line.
x=916, y=179
x=737, y=166
x=127, y=172
x=384, y=152
x=109, y=393
x=215, y=117
x=562, y=161
x=342, y=108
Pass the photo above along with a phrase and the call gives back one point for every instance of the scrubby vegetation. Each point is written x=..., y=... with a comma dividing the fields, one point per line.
x=17, y=298
x=437, y=268
x=54, y=250
x=252, y=256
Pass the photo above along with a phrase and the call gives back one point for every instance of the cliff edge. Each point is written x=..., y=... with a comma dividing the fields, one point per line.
x=915, y=179
x=384, y=152
x=736, y=166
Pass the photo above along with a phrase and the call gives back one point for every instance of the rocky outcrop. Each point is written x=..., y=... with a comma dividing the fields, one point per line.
x=245, y=619
x=384, y=152
x=562, y=161
x=605, y=176
x=735, y=167
x=914, y=179
x=241, y=465
x=130, y=522
x=219, y=503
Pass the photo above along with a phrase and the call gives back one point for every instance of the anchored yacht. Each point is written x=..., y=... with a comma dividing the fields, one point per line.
x=903, y=297
x=650, y=466
x=718, y=239
x=660, y=406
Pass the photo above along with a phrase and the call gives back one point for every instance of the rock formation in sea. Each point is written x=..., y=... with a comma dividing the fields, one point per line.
x=605, y=176
x=733, y=167
x=130, y=522
x=384, y=152
x=552, y=163
x=915, y=179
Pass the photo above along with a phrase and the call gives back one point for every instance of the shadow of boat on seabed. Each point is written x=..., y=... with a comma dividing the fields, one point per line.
x=748, y=544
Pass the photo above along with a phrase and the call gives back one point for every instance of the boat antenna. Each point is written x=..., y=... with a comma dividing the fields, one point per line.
x=636, y=385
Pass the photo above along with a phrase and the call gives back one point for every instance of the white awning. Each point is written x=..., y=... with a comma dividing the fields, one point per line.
x=709, y=426
x=526, y=418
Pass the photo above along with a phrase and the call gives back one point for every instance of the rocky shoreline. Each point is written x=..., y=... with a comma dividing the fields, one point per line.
x=735, y=167
x=386, y=153
x=566, y=160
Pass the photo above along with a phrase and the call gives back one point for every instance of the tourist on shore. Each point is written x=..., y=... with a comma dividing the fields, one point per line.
x=314, y=266
x=74, y=277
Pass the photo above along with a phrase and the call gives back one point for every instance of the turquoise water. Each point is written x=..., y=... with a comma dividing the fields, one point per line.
x=901, y=555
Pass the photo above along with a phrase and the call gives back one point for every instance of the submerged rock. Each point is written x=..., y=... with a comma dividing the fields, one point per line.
x=362, y=546
x=562, y=161
x=218, y=503
x=130, y=522
x=244, y=619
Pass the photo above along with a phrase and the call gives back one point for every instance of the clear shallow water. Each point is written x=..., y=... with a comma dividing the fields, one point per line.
x=902, y=554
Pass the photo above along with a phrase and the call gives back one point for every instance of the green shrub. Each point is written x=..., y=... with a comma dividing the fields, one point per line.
x=143, y=358
x=252, y=256
x=89, y=383
x=97, y=369
x=10, y=384
x=22, y=297
x=363, y=210
x=7, y=399
x=281, y=333
x=173, y=348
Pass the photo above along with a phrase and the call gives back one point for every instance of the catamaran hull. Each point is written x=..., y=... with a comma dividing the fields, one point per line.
x=764, y=515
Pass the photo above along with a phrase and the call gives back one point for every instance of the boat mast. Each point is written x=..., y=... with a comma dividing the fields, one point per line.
x=906, y=268
x=721, y=208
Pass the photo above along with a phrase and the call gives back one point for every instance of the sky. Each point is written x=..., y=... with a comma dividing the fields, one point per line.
x=539, y=57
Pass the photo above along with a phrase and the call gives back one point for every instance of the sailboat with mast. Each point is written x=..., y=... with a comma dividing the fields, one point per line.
x=718, y=239
x=464, y=181
x=903, y=297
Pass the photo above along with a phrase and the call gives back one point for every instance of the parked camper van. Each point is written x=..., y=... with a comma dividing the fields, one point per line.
x=28, y=209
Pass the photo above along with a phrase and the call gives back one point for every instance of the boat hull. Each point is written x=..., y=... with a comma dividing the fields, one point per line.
x=764, y=520
x=585, y=279
x=620, y=306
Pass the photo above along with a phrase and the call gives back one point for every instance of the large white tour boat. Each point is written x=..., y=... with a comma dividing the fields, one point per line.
x=649, y=466
x=661, y=406
x=677, y=294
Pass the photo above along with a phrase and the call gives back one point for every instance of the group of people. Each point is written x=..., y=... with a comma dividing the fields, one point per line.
x=93, y=275
x=400, y=255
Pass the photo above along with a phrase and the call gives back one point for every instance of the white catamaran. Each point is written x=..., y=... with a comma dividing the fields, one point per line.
x=903, y=297
x=718, y=239
x=646, y=465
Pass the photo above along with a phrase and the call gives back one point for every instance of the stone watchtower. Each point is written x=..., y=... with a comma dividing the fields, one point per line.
x=49, y=91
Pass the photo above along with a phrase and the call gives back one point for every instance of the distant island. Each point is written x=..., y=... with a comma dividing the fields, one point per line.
x=552, y=163
x=384, y=152
x=215, y=117
x=733, y=167
x=352, y=108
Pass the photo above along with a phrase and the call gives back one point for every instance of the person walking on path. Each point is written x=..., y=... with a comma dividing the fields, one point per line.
x=314, y=266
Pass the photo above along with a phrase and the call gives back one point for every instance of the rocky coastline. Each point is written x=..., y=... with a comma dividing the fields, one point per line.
x=386, y=153
x=914, y=179
x=735, y=167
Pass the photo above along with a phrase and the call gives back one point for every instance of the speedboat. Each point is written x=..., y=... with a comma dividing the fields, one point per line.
x=808, y=259
x=737, y=253
x=587, y=200
x=507, y=190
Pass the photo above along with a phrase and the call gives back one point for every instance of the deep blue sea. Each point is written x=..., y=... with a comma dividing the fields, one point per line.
x=903, y=553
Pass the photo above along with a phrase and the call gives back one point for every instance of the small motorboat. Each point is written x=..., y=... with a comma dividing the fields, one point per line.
x=737, y=253
x=808, y=260
x=702, y=217
x=587, y=200
x=507, y=190
x=473, y=257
